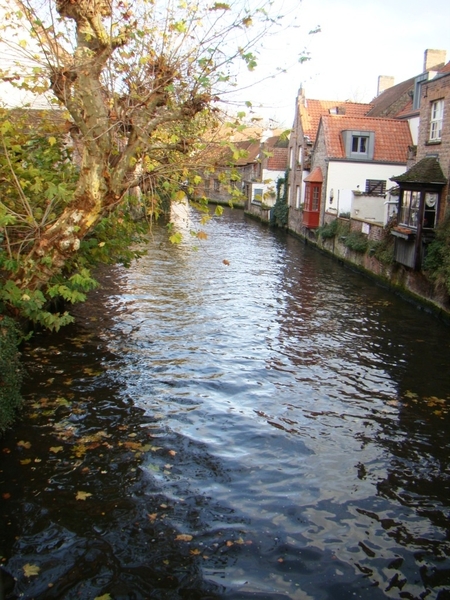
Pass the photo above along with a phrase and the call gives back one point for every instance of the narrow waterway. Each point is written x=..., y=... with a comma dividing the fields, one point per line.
x=242, y=419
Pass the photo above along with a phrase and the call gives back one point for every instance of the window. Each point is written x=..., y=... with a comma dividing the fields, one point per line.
x=375, y=187
x=437, y=115
x=315, y=197
x=299, y=156
x=429, y=214
x=312, y=196
x=257, y=195
x=360, y=144
x=298, y=197
x=410, y=208
x=207, y=184
x=216, y=185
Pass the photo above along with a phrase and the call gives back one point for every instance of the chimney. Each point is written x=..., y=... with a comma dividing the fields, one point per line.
x=384, y=83
x=433, y=59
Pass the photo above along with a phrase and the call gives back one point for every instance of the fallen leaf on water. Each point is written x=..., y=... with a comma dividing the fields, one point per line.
x=56, y=449
x=6, y=495
x=172, y=453
x=104, y=597
x=229, y=543
x=225, y=261
x=195, y=551
x=23, y=444
x=30, y=570
x=26, y=461
x=183, y=537
x=82, y=495
x=152, y=516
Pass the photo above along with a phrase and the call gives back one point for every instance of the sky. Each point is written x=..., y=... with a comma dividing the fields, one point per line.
x=359, y=41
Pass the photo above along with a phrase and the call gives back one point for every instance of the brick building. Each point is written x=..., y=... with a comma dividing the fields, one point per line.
x=424, y=188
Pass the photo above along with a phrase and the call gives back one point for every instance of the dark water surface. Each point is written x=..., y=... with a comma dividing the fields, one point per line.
x=275, y=427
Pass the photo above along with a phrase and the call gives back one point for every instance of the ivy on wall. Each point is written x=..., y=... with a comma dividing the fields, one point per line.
x=281, y=207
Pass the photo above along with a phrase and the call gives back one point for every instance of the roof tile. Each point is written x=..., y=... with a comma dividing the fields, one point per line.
x=315, y=109
x=392, y=137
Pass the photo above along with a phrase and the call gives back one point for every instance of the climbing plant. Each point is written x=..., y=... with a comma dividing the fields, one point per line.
x=437, y=259
x=281, y=207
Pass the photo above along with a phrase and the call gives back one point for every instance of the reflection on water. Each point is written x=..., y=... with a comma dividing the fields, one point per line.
x=245, y=419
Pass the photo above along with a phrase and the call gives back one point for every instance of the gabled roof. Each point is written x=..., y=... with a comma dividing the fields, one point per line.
x=312, y=110
x=393, y=100
x=427, y=170
x=392, y=137
x=251, y=147
x=278, y=149
x=396, y=101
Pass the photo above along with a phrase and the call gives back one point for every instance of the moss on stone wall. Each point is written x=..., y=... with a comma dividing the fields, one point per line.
x=10, y=371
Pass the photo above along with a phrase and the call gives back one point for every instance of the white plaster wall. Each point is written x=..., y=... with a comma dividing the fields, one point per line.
x=414, y=128
x=344, y=177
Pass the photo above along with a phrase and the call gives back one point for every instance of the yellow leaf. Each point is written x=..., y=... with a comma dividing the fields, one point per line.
x=30, y=570
x=195, y=551
x=52, y=140
x=56, y=449
x=172, y=452
x=183, y=537
x=23, y=43
x=26, y=461
x=23, y=444
x=180, y=196
x=104, y=597
x=82, y=495
x=202, y=235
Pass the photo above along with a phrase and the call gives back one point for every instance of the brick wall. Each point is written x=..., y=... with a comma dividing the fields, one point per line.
x=433, y=90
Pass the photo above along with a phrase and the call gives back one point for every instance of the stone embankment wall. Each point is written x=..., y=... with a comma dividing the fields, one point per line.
x=412, y=285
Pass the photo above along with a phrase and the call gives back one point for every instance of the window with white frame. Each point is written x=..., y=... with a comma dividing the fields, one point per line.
x=360, y=144
x=410, y=208
x=257, y=195
x=437, y=116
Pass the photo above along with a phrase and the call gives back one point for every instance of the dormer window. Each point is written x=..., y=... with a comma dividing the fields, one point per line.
x=359, y=145
x=437, y=116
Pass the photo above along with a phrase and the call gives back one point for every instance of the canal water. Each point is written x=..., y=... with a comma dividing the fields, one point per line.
x=234, y=417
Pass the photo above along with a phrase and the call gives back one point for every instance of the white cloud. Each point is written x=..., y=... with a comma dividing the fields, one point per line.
x=358, y=42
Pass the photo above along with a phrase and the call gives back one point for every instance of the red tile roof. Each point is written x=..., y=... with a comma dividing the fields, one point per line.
x=315, y=176
x=279, y=159
x=445, y=68
x=392, y=137
x=314, y=109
